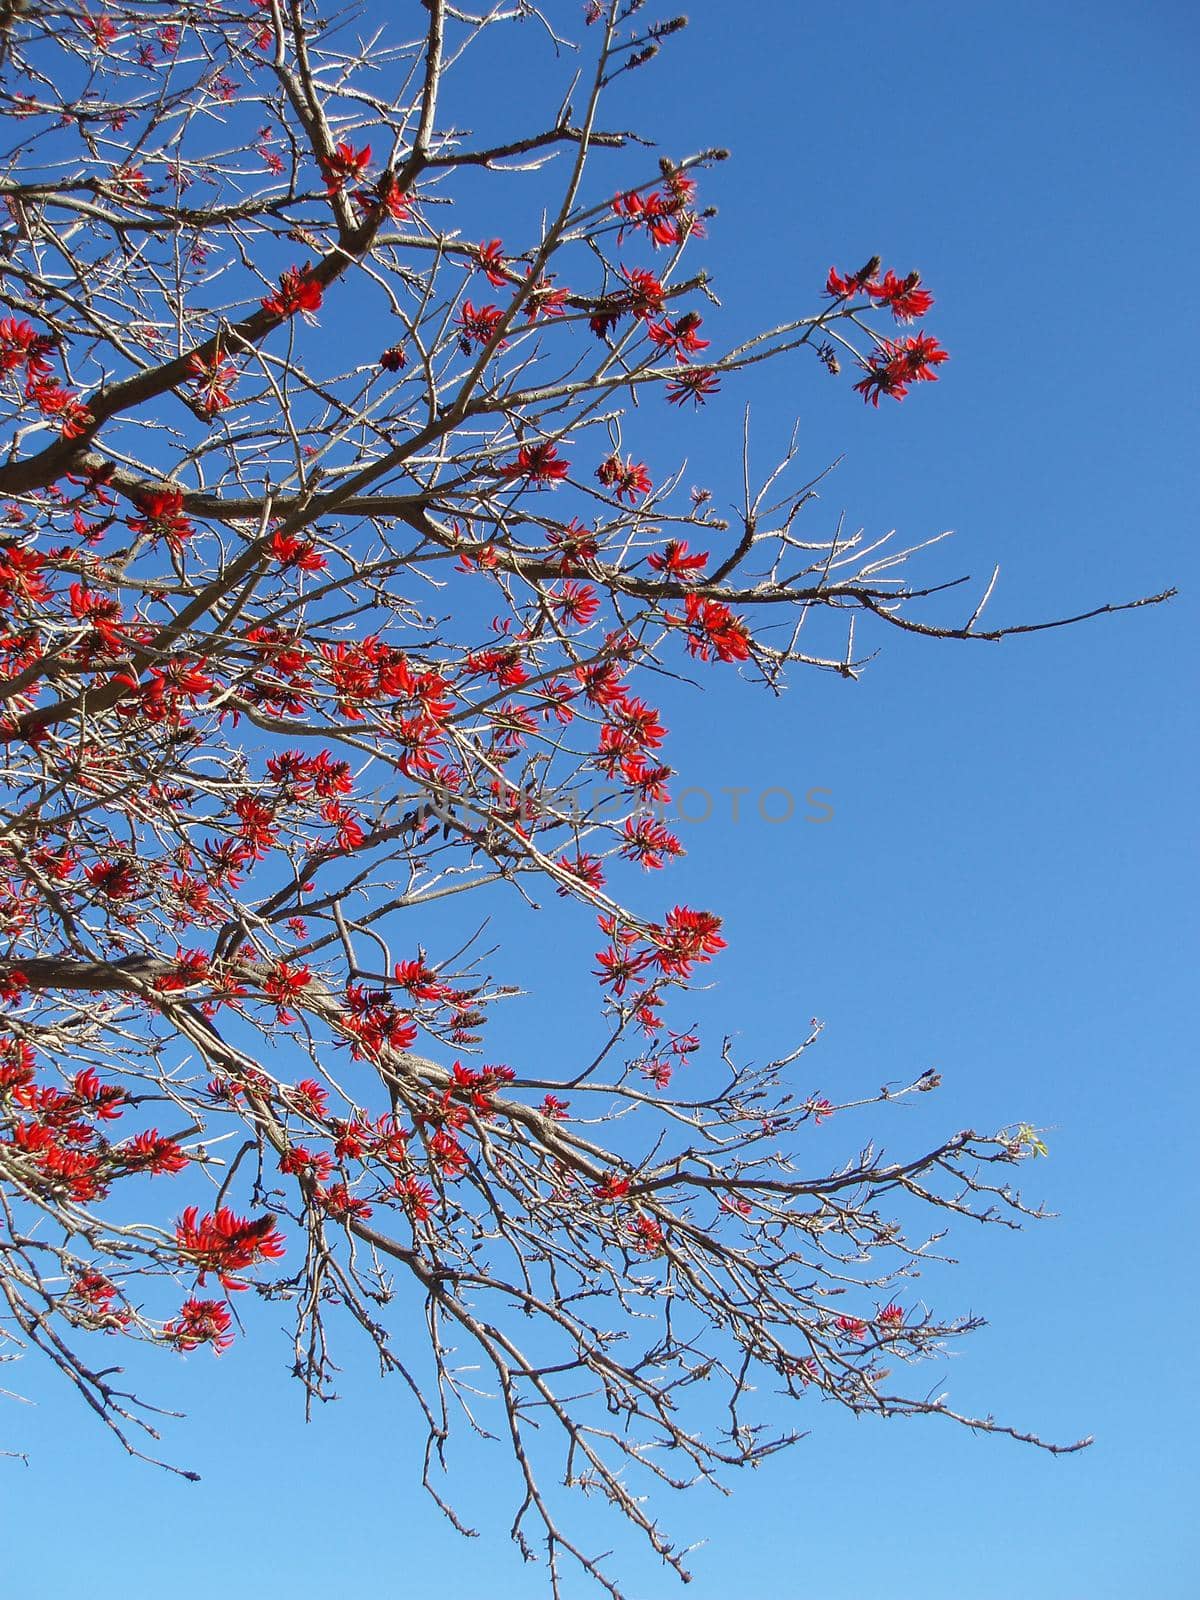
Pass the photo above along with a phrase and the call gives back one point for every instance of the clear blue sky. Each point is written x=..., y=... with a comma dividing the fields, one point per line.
x=1005, y=891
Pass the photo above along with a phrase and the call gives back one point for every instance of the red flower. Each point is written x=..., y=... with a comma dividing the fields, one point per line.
x=696, y=385
x=853, y=283
x=418, y=1198
x=576, y=546
x=891, y=1318
x=393, y=359
x=329, y=776
x=918, y=356
x=644, y=297
x=12, y=987
x=292, y=551
x=491, y=262
x=114, y=879
x=649, y=842
x=621, y=965
x=539, y=463
x=52, y=400
x=16, y=1065
x=20, y=577
x=102, y=1100
x=94, y=1289
x=448, y=1153
x=906, y=300
x=881, y=378
x=576, y=603
x=390, y=196
x=340, y=1203
x=99, y=612
x=150, y=1152
x=650, y=782
x=481, y=559
x=283, y=984
x=627, y=478
x=201, y=1322
x=162, y=517
x=614, y=1187
x=315, y=1166
x=477, y=325
x=256, y=825
x=714, y=630
x=420, y=981
x=588, y=869
x=21, y=345
x=606, y=316
x=682, y=189
x=350, y=1143
x=647, y=1236
x=345, y=165
x=851, y=1327
x=675, y=560
x=298, y=291
x=680, y=339
x=212, y=379
x=308, y=1096
x=349, y=831
x=686, y=937
x=131, y=181
x=653, y=211
x=102, y=30
x=899, y=363
x=226, y=1244
x=545, y=301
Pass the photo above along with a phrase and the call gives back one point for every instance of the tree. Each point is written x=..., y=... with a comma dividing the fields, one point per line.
x=332, y=583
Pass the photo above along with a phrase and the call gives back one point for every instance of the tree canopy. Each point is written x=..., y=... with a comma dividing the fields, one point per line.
x=337, y=570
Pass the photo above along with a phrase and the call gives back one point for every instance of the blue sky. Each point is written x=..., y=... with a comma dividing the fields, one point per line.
x=1005, y=890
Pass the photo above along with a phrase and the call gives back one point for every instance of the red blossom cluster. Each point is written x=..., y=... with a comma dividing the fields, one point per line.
x=294, y=553
x=162, y=518
x=201, y=1322
x=93, y=1300
x=894, y=364
x=897, y=363
x=675, y=560
x=223, y=1243
x=388, y=196
x=665, y=214
x=713, y=630
x=344, y=165
x=667, y=951
x=23, y=348
x=298, y=291
x=213, y=378
x=627, y=479
x=58, y=1133
x=477, y=326
x=284, y=983
x=491, y=263
x=538, y=464
x=903, y=297
x=544, y=300
x=697, y=385
x=102, y=30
